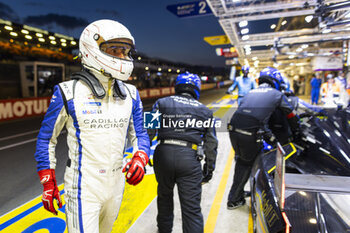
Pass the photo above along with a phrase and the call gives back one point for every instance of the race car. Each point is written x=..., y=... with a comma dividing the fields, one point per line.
x=310, y=191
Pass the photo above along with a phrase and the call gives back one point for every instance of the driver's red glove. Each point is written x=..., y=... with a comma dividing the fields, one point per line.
x=135, y=169
x=51, y=192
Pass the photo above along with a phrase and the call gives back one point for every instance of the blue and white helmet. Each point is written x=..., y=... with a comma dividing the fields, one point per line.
x=189, y=83
x=271, y=76
x=245, y=70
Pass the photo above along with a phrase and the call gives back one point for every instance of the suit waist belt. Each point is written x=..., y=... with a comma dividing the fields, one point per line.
x=179, y=143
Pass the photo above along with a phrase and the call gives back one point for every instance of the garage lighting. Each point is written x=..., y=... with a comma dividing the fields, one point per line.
x=243, y=23
x=64, y=44
x=25, y=31
x=63, y=40
x=146, y=68
x=245, y=37
x=13, y=34
x=245, y=30
x=39, y=34
x=53, y=42
x=308, y=18
x=284, y=22
x=299, y=50
x=73, y=42
x=178, y=71
x=159, y=69
x=273, y=26
x=52, y=38
x=8, y=28
x=41, y=39
x=304, y=46
x=169, y=70
x=29, y=37
x=326, y=30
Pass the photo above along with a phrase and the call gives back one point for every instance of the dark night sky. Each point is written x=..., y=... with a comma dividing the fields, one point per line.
x=157, y=32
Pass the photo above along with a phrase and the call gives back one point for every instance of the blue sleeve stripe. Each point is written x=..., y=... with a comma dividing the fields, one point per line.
x=80, y=149
x=141, y=133
x=46, y=130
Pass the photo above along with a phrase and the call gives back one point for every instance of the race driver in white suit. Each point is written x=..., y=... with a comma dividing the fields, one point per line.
x=99, y=112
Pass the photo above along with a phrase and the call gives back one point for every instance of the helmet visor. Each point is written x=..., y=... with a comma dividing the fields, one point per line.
x=122, y=49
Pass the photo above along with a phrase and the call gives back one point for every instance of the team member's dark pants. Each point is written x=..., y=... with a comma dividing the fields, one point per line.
x=247, y=148
x=178, y=165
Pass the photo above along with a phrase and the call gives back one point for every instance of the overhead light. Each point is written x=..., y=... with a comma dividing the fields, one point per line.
x=29, y=37
x=275, y=65
x=327, y=30
x=291, y=64
x=41, y=39
x=13, y=34
x=255, y=58
x=248, y=49
x=273, y=26
x=53, y=42
x=243, y=23
x=146, y=68
x=38, y=34
x=245, y=30
x=25, y=31
x=73, y=42
x=284, y=22
x=246, y=46
x=63, y=40
x=169, y=70
x=245, y=37
x=304, y=46
x=308, y=18
x=8, y=28
x=291, y=57
x=178, y=71
x=248, y=52
x=139, y=58
x=159, y=69
x=299, y=50
x=52, y=38
x=64, y=44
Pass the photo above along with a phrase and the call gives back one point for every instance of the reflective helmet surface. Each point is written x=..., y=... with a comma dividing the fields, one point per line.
x=105, y=47
x=188, y=82
x=271, y=76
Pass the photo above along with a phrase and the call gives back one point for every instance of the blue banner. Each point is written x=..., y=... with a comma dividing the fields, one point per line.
x=190, y=9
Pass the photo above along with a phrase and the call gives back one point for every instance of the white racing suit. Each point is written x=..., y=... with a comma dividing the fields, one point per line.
x=97, y=132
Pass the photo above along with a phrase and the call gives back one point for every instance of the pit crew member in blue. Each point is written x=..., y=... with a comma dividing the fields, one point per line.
x=243, y=83
x=187, y=128
x=99, y=112
x=251, y=118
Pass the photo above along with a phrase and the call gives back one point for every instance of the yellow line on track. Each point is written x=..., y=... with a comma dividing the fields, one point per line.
x=215, y=208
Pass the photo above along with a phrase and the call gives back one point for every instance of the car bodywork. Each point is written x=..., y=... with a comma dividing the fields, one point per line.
x=325, y=151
